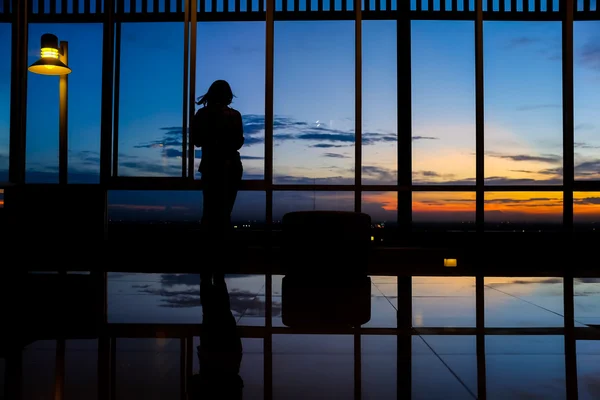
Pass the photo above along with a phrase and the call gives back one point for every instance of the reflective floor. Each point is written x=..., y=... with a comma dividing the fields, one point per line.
x=438, y=359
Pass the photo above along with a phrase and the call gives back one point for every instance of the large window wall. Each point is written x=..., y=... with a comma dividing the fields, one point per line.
x=457, y=121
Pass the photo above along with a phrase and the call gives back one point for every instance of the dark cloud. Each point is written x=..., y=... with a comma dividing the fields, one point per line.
x=253, y=125
x=530, y=202
x=329, y=136
x=580, y=145
x=424, y=138
x=373, y=175
x=527, y=282
x=588, y=167
x=587, y=201
x=374, y=137
x=502, y=180
x=547, y=158
x=335, y=155
x=424, y=177
x=251, y=157
x=326, y=145
x=433, y=177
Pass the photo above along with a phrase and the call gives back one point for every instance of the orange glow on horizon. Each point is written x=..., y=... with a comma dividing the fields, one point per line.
x=425, y=202
x=586, y=204
x=538, y=203
x=387, y=200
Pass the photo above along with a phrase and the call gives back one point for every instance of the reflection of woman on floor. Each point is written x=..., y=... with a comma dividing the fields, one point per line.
x=220, y=350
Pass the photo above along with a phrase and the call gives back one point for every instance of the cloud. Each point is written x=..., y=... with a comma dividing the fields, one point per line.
x=580, y=145
x=284, y=129
x=503, y=180
x=424, y=138
x=335, y=155
x=588, y=167
x=326, y=145
x=251, y=157
x=373, y=175
x=587, y=201
x=546, y=158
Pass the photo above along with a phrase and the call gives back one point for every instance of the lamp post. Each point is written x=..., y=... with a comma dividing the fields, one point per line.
x=53, y=61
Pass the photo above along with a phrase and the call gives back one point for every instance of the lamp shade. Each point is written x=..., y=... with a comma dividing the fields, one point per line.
x=49, y=62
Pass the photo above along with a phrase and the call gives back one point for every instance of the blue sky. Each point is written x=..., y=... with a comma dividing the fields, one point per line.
x=314, y=110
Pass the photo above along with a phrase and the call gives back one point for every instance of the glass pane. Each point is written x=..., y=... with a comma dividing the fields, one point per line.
x=235, y=52
x=84, y=106
x=175, y=298
x=586, y=70
x=177, y=207
x=154, y=206
x=443, y=92
x=382, y=207
x=587, y=301
x=524, y=302
x=443, y=210
x=586, y=211
x=5, y=70
x=443, y=301
x=444, y=367
x=313, y=366
x=249, y=210
x=289, y=201
x=523, y=211
x=314, y=102
x=523, y=103
x=379, y=101
x=588, y=368
x=509, y=359
x=81, y=369
x=151, y=99
x=39, y=361
x=147, y=368
x=378, y=367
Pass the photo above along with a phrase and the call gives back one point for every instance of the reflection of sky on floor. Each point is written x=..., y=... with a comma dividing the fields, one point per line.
x=437, y=301
x=322, y=366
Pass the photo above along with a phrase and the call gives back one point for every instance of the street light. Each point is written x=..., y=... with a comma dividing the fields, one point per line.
x=53, y=61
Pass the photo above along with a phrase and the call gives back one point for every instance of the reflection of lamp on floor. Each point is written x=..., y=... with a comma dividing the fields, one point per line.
x=53, y=61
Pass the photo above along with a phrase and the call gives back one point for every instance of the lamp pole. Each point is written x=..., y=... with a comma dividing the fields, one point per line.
x=54, y=61
x=63, y=120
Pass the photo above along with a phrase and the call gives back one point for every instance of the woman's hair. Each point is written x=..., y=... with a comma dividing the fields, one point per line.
x=219, y=92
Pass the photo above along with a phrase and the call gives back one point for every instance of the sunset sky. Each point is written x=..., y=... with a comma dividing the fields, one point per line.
x=314, y=113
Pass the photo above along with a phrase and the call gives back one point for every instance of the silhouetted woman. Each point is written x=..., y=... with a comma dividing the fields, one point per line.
x=217, y=129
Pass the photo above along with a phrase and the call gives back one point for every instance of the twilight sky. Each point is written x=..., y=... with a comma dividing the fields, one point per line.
x=314, y=113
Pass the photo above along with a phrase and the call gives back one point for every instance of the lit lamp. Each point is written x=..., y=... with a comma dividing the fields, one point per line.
x=450, y=262
x=53, y=61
